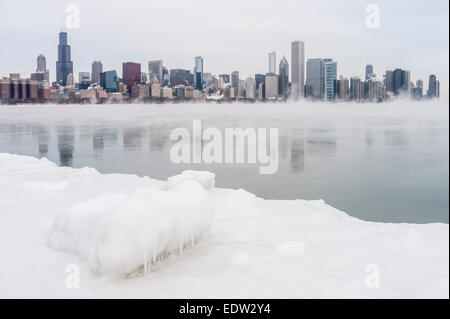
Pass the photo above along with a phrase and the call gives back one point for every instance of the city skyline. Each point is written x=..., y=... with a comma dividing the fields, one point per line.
x=229, y=51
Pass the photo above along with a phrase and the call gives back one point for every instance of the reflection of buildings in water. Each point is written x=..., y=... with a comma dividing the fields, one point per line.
x=110, y=136
x=66, y=140
x=321, y=141
x=43, y=138
x=283, y=142
x=297, y=150
x=158, y=136
x=132, y=137
x=395, y=137
x=97, y=140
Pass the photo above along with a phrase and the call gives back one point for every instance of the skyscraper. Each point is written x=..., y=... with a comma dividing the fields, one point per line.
x=397, y=81
x=401, y=81
x=42, y=67
x=354, y=88
x=283, y=80
x=198, y=73
x=180, y=77
x=235, y=82
x=155, y=70
x=314, y=79
x=389, y=81
x=330, y=77
x=250, y=88
x=369, y=72
x=433, y=87
x=131, y=73
x=64, y=65
x=260, y=80
x=108, y=81
x=165, y=77
x=271, y=84
x=97, y=68
x=343, y=85
x=298, y=69
x=272, y=62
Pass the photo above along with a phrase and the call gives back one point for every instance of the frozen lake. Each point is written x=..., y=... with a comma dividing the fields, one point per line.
x=378, y=162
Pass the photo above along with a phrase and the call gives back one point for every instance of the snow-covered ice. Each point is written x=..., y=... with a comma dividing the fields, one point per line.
x=111, y=225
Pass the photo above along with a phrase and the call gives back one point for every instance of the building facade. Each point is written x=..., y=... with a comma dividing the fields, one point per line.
x=298, y=69
x=315, y=79
x=64, y=65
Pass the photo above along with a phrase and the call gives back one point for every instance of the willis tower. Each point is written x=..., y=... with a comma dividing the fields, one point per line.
x=64, y=66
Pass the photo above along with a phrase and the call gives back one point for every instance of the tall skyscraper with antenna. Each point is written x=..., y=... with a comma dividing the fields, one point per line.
x=64, y=65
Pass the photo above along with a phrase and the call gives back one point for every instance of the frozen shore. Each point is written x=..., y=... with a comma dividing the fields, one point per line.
x=109, y=225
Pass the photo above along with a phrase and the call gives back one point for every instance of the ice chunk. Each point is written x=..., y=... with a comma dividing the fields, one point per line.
x=119, y=235
x=205, y=178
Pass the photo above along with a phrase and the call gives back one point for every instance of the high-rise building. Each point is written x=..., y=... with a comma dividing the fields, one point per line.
x=369, y=72
x=401, y=81
x=396, y=81
x=144, y=78
x=433, y=87
x=64, y=65
x=354, y=88
x=241, y=89
x=42, y=67
x=271, y=84
x=298, y=69
x=180, y=77
x=97, y=68
x=131, y=74
x=109, y=81
x=235, y=83
x=198, y=73
x=260, y=80
x=250, y=88
x=419, y=84
x=208, y=80
x=389, y=81
x=315, y=79
x=283, y=85
x=330, y=77
x=155, y=70
x=343, y=85
x=165, y=77
x=406, y=81
x=272, y=62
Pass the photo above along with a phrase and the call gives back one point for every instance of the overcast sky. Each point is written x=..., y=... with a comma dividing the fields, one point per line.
x=230, y=35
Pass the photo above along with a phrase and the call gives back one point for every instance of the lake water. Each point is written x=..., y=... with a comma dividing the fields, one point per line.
x=379, y=162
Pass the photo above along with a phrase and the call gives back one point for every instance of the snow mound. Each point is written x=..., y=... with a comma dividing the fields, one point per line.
x=118, y=234
x=204, y=178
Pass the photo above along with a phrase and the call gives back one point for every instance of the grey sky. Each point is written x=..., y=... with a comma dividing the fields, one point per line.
x=230, y=35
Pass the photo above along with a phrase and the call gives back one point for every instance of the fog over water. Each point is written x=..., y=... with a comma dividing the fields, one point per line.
x=380, y=162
